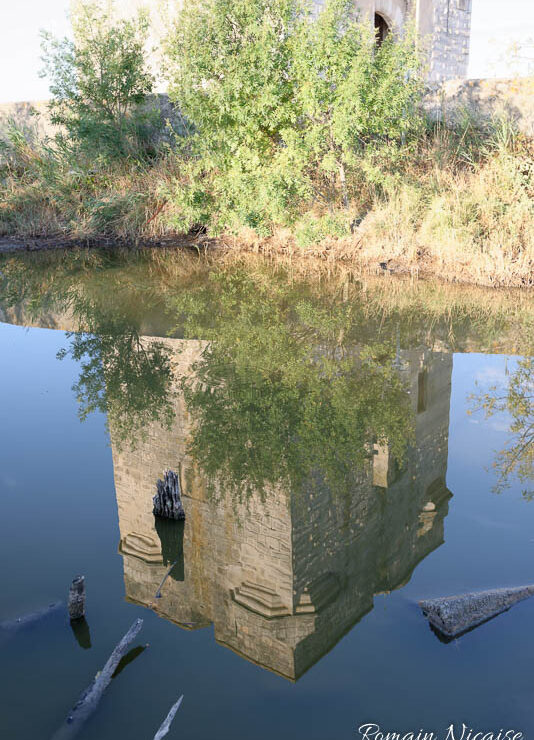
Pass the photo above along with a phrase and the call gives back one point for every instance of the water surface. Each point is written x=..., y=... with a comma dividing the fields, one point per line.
x=335, y=470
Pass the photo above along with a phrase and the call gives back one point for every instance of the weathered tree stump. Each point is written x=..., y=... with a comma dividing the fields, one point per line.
x=168, y=499
x=77, y=598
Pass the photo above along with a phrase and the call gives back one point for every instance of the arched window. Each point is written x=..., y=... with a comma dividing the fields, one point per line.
x=381, y=28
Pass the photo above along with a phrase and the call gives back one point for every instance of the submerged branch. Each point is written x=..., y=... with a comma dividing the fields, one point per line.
x=164, y=729
x=14, y=624
x=89, y=699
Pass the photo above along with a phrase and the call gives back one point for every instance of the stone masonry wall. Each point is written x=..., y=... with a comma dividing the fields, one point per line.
x=449, y=51
x=483, y=100
x=282, y=579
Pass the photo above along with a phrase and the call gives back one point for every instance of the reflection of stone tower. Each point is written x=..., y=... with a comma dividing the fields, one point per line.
x=283, y=580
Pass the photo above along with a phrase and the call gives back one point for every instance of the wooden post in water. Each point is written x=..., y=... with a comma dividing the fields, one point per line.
x=168, y=499
x=77, y=598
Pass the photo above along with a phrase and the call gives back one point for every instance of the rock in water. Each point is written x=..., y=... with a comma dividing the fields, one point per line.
x=454, y=615
x=168, y=499
x=77, y=598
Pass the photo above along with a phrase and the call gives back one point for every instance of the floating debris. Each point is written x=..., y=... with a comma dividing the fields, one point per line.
x=164, y=729
x=88, y=701
x=453, y=615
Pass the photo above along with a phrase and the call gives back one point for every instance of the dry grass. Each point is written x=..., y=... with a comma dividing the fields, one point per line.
x=460, y=207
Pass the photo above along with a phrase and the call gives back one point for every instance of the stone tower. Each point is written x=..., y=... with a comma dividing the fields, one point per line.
x=282, y=577
x=444, y=28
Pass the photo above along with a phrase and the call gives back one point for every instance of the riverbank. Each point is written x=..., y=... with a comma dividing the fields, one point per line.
x=354, y=254
x=334, y=152
x=457, y=205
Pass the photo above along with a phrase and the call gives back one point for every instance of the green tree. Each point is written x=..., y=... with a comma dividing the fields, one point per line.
x=100, y=82
x=351, y=94
x=122, y=375
x=278, y=102
x=229, y=67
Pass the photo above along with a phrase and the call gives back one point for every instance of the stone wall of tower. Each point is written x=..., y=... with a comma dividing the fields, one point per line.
x=222, y=534
x=370, y=541
x=450, y=39
x=444, y=25
x=282, y=577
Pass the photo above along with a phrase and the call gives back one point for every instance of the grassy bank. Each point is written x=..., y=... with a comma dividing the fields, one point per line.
x=459, y=206
x=323, y=149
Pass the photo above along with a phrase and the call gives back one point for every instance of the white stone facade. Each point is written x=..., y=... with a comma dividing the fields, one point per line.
x=444, y=27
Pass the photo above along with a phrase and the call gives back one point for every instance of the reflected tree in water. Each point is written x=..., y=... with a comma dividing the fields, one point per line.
x=283, y=391
x=517, y=400
x=124, y=375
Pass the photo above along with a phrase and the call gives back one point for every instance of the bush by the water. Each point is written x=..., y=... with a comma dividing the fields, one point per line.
x=301, y=133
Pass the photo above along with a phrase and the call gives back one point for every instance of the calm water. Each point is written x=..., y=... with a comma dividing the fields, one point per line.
x=312, y=423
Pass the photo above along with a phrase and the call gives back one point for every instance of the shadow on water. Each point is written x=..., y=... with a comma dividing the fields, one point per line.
x=80, y=630
x=171, y=536
x=130, y=656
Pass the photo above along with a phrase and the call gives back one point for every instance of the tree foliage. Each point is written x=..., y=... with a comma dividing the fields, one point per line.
x=285, y=392
x=279, y=102
x=100, y=82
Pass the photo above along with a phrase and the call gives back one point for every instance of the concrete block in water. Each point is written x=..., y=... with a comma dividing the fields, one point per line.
x=454, y=615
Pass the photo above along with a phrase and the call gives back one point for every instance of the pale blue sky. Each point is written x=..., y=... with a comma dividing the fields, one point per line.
x=496, y=24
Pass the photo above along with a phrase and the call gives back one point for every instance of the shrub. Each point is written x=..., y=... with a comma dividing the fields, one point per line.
x=100, y=83
x=279, y=103
x=311, y=230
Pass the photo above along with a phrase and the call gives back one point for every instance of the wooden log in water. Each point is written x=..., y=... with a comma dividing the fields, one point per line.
x=164, y=729
x=168, y=499
x=89, y=699
x=76, y=603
